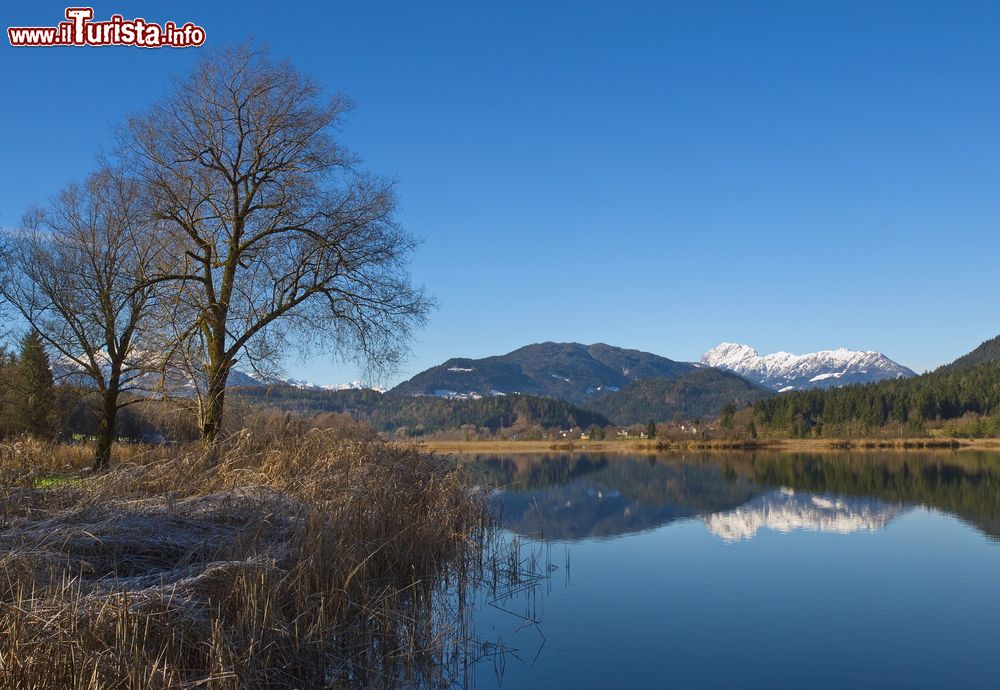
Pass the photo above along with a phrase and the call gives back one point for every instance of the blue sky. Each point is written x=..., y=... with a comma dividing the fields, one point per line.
x=660, y=175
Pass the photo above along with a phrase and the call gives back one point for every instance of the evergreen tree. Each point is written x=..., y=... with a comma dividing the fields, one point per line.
x=35, y=389
x=8, y=393
x=728, y=410
x=651, y=429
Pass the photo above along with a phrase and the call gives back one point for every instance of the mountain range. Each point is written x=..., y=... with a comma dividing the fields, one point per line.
x=784, y=371
x=66, y=371
x=582, y=374
x=566, y=385
x=618, y=385
x=573, y=372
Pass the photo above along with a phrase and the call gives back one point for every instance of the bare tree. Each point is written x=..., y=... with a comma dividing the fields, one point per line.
x=274, y=228
x=77, y=273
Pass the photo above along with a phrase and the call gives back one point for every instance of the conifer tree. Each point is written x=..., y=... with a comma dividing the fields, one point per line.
x=8, y=393
x=35, y=389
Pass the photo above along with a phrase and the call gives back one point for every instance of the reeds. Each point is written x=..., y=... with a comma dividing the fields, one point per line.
x=306, y=562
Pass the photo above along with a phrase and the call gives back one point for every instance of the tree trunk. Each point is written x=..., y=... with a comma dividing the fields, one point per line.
x=211, y=420
x=108, y=428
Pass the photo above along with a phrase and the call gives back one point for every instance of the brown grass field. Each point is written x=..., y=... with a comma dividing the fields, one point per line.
x=307, y=562
x=646, y=446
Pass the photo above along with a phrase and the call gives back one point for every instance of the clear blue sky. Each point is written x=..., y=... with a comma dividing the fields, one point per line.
x=656, y=175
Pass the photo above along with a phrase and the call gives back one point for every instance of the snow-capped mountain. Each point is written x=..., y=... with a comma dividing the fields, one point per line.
x=784, y=371
x=350, y=386
x=787, y=511
x=65, y=370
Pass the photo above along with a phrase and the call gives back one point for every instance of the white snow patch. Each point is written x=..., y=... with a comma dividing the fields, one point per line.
x=831, y=375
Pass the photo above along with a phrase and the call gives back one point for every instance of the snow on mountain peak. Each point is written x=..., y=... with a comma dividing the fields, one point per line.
x=787, y=371
x=353, y=385
x=179, y=382
x=729, y=354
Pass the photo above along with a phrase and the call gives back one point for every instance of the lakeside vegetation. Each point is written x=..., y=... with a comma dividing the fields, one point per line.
x=224, y=222
x=632, y=445
x=307, y=561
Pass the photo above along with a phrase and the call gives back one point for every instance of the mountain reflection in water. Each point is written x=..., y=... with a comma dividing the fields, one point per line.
x=821, y=571
x=572, y=497
x=786, y=510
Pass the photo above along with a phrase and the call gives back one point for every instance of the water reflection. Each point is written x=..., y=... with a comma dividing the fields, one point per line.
x=576, y=497
x=742, y=570
x=786, y=511
x=573, y=497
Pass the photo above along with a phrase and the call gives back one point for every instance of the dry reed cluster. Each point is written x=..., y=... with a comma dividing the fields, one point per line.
x=305, y=562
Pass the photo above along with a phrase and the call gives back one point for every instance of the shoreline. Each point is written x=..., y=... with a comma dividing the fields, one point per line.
x=648, y=446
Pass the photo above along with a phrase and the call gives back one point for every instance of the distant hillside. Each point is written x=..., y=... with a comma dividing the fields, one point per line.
x=420, y=415
x=567, y=371
x=986, y=352
x=701, y=393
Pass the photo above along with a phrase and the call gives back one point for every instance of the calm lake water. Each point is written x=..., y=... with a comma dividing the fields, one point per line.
x=743, y=571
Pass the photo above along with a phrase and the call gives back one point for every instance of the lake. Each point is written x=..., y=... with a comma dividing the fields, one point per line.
x=746, y=571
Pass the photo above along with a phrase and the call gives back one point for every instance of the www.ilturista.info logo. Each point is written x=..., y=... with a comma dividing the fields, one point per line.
x=80, y=30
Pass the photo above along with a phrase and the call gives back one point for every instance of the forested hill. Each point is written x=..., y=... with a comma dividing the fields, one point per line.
x=944, y=394
x=421, y=414
x=568, y=371
x=986, y=352
x=702, y=393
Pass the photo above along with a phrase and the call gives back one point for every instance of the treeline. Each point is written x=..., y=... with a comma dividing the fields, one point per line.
x=420, y=415
x=946, y=394
x=33, y=404
x=702, y=394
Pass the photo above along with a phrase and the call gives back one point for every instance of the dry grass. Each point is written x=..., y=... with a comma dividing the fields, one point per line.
x=307, y=562
x=29, y=457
